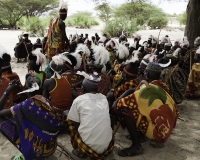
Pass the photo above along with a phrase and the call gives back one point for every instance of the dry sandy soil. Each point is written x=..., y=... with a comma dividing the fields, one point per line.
x=183, y=144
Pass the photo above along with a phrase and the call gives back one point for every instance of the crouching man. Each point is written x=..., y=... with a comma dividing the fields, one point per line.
x=89, y=121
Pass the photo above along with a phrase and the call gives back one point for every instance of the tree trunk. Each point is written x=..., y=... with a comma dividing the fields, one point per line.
x=192, y=29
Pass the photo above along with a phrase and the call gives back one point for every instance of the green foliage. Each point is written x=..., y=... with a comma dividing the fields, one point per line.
x=104, y=11
x=34, y=25
x=152, y=94
x=81, y=20
x=13, y=10
x=142, y=12
x=37, y=7
x=114, y=27
x=157, y=22
x=182, y=18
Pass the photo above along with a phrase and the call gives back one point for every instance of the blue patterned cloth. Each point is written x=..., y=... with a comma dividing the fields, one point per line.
x=38, y=125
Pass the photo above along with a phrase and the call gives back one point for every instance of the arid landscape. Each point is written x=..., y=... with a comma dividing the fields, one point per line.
x=183, y=144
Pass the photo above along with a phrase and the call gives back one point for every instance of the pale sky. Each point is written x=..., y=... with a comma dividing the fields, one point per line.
x=88, y=5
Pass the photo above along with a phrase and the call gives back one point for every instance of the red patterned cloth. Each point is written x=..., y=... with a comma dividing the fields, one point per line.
x=104, y=85
x=153, y=110
x=4, y=82
x=125, y=86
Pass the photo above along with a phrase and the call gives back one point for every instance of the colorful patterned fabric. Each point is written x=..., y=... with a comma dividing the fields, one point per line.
x=82, y=148
x=117, y=76
x=9, y=129
x=4, y=82
x=175, y=79
x=13, y=76
x=38, y=124
x=55, y=42
x=72, y=78
x=193, y=84
x=153, y=110
x=104, y=85
x=125, y=86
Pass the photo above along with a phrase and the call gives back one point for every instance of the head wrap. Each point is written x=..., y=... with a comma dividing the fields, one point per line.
x=25, y=34
x=101, y=57
x=122, y=52
x=157, y=67
x=112, y=44
x=70, y=60
x=6, y=64
x=63, y=7
x=91, y=81
x=57, y=64
x=131, y=69
x=40, y=57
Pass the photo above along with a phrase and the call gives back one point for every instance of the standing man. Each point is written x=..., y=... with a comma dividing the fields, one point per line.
x=57, y=41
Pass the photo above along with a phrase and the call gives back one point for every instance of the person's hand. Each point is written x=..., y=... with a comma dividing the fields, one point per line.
x=13, y=85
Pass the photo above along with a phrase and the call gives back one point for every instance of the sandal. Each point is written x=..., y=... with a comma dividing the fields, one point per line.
x=18, y=157
x=77, y=154
x=130, y=152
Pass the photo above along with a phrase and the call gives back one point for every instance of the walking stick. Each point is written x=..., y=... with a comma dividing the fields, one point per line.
x=116, y=129
x=158, y=38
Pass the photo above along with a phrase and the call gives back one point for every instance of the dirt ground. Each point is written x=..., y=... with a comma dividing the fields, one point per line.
x=183, y=144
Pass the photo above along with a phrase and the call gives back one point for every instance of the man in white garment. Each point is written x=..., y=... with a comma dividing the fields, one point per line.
x=89, y=121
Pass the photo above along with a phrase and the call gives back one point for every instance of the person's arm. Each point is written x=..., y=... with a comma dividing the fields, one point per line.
x=126, y=93
x=45, y=89
x=48, y=86
x=14, y=85
x=64, y=36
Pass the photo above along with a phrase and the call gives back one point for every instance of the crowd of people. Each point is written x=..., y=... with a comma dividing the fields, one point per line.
x=90, y=84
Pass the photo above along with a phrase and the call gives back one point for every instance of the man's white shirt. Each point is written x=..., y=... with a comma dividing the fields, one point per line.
x=92, y=112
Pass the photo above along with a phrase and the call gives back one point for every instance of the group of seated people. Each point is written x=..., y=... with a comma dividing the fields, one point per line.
x=90, y=89
x=24, y=47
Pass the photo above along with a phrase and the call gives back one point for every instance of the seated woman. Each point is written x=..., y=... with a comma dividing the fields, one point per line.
x=36, y=60
x=36, y=123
